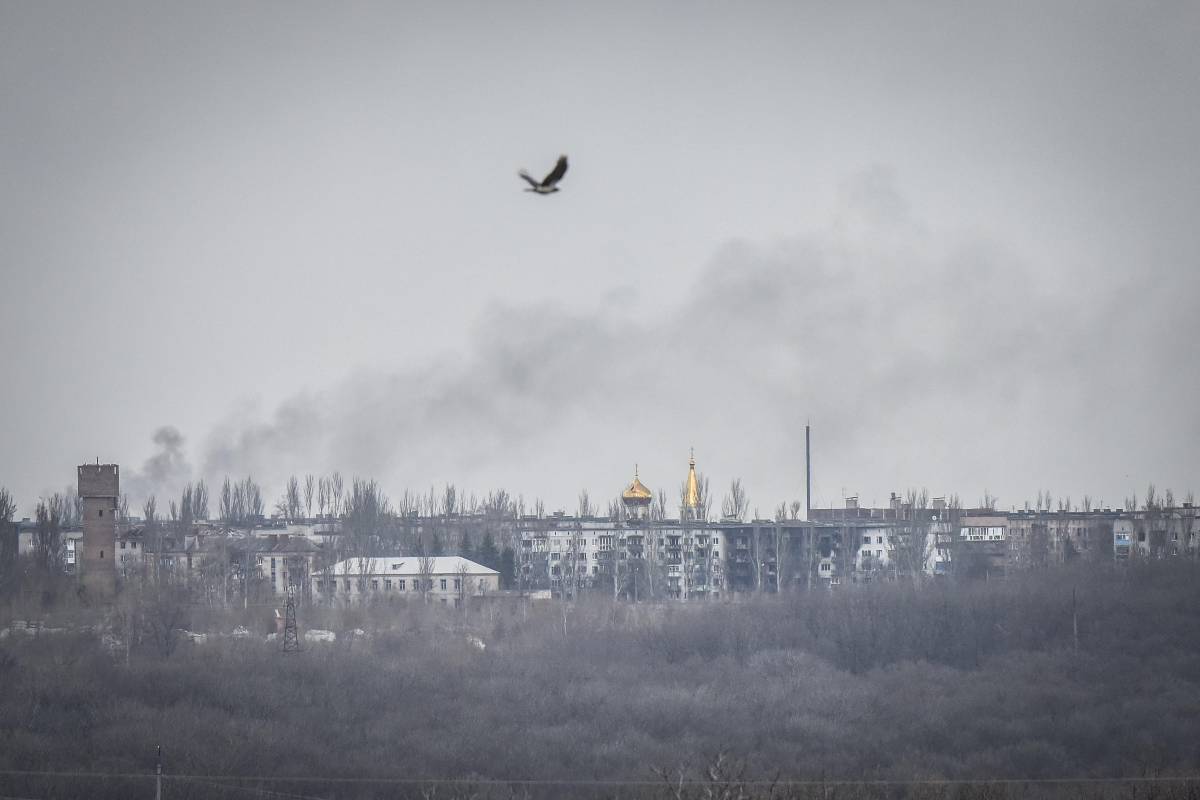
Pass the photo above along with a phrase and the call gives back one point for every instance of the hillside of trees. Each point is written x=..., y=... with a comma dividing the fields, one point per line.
x=1088, y=672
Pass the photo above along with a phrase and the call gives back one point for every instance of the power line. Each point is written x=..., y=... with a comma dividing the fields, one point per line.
x=631, y=782
x=257, y=791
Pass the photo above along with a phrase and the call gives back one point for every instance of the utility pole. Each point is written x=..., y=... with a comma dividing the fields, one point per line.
x=158, y=775
x=807, y=472
x=1075, y=620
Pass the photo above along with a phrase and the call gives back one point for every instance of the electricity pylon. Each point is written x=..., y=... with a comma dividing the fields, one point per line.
x=291, y=639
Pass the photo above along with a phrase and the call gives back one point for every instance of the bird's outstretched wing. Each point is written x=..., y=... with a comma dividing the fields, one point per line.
x=556, y=174
x=528, y=178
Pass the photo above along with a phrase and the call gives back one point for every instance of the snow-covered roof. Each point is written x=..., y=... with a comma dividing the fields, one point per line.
x=409, y=566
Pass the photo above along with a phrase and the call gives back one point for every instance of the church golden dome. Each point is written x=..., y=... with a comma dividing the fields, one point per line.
x=637, y=493
x=692, y=492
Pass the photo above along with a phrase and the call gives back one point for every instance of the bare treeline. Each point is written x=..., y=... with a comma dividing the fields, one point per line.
x=1020, y=680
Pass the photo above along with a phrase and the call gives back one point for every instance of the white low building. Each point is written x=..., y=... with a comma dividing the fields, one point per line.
x=448, y=580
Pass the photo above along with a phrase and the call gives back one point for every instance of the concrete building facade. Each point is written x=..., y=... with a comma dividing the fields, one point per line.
x=445, y=580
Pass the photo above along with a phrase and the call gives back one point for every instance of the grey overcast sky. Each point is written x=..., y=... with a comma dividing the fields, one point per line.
x=959, y=238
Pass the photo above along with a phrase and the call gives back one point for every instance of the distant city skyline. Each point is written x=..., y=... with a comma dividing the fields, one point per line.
x=960, y=241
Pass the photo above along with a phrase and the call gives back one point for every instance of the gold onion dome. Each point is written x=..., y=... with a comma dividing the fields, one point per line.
x=637, y=491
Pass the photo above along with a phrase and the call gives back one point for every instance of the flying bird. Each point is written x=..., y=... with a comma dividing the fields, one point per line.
x=549, y=184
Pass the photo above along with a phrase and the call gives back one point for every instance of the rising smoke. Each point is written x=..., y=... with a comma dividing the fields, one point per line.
x=164, y=473
x=920, y=359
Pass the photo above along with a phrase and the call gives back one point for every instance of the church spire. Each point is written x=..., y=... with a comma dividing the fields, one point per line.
x=691, y=495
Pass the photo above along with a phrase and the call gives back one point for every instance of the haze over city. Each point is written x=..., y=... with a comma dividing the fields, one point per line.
x=414, y=399
x=958, y=240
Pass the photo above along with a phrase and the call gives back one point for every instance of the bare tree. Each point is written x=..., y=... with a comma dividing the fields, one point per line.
x=8, y=541
x=8, y=506
x=449, y=501
x=71, y=507
x=322, y=495
x=586, y=509
x=705, y=496
x=735, y=504
x=1152, y=516
x=225, y=503
x=1187, y=522
x=910, y=544
x=123, y=509
x=499, y=505
x=425, y=567
x=254, y=498
x=153, y=538
x=367, y=515
x=951, y=523
x=462, y=578
x=568, y=574
x=658, y=506
x=795, y=509
x=239, y=503
x=47, y=541
x=408, y=504
x=615, y=507
x=200, y=500
x=186, y=502
x=310, y=484
x=292, y=502
x=336, y=489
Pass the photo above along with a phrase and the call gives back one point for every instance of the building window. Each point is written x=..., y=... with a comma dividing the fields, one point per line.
x=400, y=584
x=345, y=586
x=387, y=583
x=443, y=584
x=374, y=584
x=102, y=512
x=133, y=545
x=457, y=584
x=866, y=539
x=457, y=602
x=122, y=545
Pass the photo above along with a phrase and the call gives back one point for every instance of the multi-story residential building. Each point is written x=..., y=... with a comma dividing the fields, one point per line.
x=631, y=554
x=1157, y=532
x=283, y=561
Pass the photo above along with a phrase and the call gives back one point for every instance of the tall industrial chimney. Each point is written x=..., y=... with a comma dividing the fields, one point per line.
x=807, y=473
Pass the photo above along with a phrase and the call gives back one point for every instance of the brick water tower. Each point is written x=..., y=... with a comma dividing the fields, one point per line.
x=99, y=488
